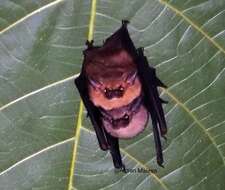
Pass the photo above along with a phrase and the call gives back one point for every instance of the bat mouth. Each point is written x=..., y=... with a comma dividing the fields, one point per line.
x=126, y=121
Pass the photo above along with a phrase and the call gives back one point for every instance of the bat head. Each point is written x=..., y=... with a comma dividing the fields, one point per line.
x=112, y=78
x=112, y=63
x=126, y=121
x=111, y=71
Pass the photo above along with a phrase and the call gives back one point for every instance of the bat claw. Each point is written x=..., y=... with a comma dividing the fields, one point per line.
x=125, y=22
x=140, y=51
x=163, y=101
x=160, y=163
x=123, y=169
x=160, y=83
x=104, y=147
x=89, y=44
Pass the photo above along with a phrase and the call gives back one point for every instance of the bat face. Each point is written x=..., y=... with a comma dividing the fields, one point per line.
x=119, y=91
x=127, y=121
x=115, y=93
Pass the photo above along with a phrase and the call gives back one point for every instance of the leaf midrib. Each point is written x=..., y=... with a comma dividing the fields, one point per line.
x=135, y=160
x=164, y=90
x=81, y=106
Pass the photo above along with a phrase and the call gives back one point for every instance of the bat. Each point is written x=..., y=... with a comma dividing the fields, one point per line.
x=119, y=91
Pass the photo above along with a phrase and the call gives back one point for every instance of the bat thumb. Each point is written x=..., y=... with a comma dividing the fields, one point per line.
x=160, y=83
x=160, y=163
x=163, y=101
x=125, y=22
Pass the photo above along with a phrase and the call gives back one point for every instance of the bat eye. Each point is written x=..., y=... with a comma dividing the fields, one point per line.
x=95, y=83
x=121, y=89
x=108, y=93
x=114, y=122
x=126, y=117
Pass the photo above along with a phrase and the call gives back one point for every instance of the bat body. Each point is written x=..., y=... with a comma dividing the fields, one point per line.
x=119, y=91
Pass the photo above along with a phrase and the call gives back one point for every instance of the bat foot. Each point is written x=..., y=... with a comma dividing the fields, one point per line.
x=160, y=83
x=89, y=44
x=104, y=147
x=123, y=168
x=125, y=22
x=140, y=51
x=163, y=101
x=160, y=163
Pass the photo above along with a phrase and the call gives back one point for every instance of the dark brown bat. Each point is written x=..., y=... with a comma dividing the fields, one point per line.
x=119, y=91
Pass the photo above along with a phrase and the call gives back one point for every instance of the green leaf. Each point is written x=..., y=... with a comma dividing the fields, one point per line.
x=40, y=55
x=11, y=11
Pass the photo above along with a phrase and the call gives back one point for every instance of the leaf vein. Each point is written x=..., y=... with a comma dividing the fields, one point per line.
x=37, y=91
x=29, y=15
x=35, y=154
x=189, y=21
x=192, y=115
x=136, y=161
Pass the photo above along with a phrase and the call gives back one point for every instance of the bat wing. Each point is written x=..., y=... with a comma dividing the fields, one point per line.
x=147, y=76
x=93, y=111
x=106, y=141
x=152, y=101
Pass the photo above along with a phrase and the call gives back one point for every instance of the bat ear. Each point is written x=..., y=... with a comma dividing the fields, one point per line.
x=163, y=101
x=131, y=77
x=94, y=83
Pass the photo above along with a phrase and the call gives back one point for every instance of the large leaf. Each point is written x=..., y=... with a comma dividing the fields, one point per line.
x=12, y=11
x=39, y=55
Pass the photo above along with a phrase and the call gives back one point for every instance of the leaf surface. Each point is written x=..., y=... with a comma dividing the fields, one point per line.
x=40, y=55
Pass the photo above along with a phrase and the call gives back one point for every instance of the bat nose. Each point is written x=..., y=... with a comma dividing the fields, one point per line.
x=117, y=93
x=121, y=122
